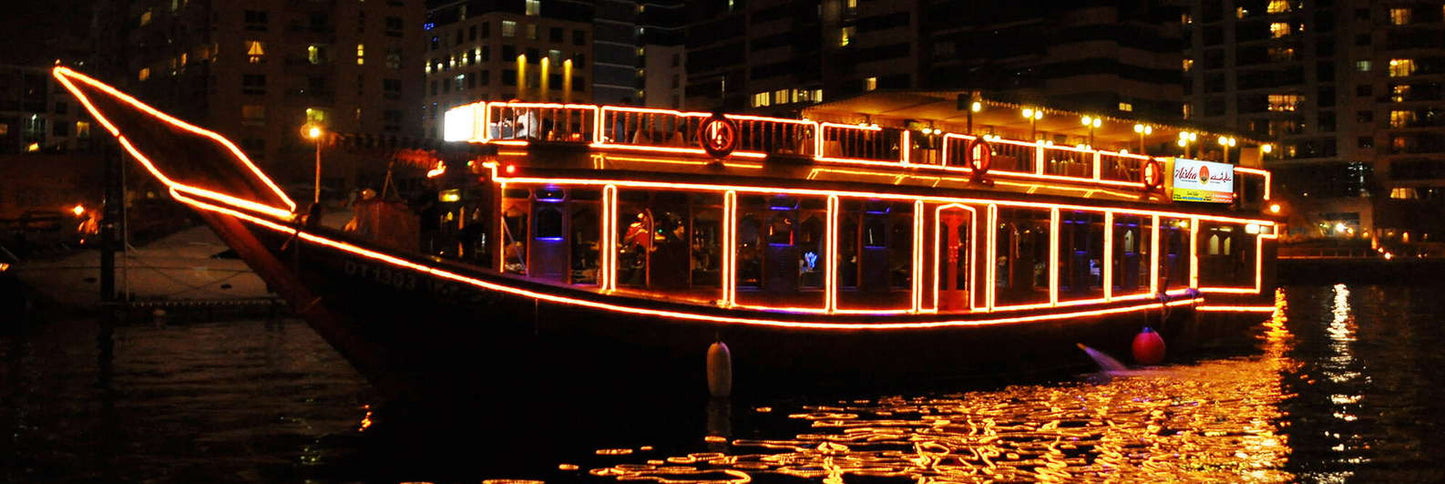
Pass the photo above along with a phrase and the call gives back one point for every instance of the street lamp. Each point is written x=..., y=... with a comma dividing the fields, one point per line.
x=314, y=133
x=1142, y=130
x=1185, y=138
x=1091, y=122
x=1225, y=142
x=1033, y=115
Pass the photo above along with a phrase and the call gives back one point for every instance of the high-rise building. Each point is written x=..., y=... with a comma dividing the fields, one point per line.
x=636, y=46
x=1346, y=87
x=260, y=70
x=36, y=115
x=780, y=55
x=498, y=50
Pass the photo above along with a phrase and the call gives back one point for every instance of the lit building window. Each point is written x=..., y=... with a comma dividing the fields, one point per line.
x=847, y=35
x=1362, y=66
x=1281, y=54
x=1402, y=67
x=1402, y=193
x=509, y=28
x=1188, y=110
x=145, y=73
x=145, y=18
x=1285, y=102
x=1188, y=64
x=255, y=51
x=1126, y=107
x=534, y=7
x=762, y=99
x=360, y=54
x=1278, y=29
x=1400, y=16
x=780, y=96
x=316, y=53
x=1399, y=93
x=1277, y=6
x=315, y=116
x=1186, y=19
x=82, y=129
x=1402, y=119
x=253, y=115
x=870, y=84
x=1240, y=12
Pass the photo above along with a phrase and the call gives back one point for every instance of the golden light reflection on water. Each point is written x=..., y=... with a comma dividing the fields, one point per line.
x=1217, y=420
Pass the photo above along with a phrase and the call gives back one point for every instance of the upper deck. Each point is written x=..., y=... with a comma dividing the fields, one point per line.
x=852, y=144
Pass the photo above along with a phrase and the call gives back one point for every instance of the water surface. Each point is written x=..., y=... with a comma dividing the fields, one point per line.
x=1344, y=384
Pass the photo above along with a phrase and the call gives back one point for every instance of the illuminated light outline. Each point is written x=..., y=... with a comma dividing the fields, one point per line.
x=65, y=75
x=200, y=192
x=1194, y=252
x=1154, y=257
x=917, y=278
x=873, y=195
x=938, y=248
x=609, y=237
x=937, y=178
x=1236, y=309
x=830, y=248
x=665, y=161
x=730, y=243
x=1108, y=261
x=991, y=269
x=1054, y=256
x=1268, y=178
x=396, y=261
x=319, y=240
x=178, y=189
x=600, y=112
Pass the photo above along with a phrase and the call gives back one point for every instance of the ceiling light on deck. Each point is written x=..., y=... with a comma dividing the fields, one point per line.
x=1266, y=148
x=1143, y=128
x=976, y=107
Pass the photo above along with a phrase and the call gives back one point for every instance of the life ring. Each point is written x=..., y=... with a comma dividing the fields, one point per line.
x=980, y=158
x=1153, y=175
x=718, y=135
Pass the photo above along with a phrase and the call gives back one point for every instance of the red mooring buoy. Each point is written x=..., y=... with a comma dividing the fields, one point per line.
x=1148, y=347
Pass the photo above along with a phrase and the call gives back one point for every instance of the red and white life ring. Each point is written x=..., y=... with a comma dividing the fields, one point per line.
x=980, y=158
x=1153, y=176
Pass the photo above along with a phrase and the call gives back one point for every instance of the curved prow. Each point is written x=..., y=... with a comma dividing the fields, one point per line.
x=187, y=159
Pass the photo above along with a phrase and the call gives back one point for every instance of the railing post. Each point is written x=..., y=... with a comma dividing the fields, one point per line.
x=1038, y=157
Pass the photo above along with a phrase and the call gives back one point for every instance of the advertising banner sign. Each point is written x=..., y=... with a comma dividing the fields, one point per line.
x=1202, y=181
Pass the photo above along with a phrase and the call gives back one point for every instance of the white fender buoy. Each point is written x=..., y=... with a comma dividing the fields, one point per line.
x=719, y=370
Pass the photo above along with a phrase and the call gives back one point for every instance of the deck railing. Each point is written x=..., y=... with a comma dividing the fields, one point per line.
x=676, y=131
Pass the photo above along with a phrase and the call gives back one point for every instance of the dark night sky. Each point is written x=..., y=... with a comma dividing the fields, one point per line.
x=39, y=31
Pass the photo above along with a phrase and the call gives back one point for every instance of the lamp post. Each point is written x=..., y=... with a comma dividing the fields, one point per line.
x=1143, y=130
x=314, y=132
x=1033, y=115
x=1225, y=142
x=1091, y=122
x=1185, y=138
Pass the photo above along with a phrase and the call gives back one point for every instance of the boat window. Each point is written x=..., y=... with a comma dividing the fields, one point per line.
x=514, y=236
x=706, y=245
x=1230, y=260
x=810, y=251
x=876, y=271
x=848, y=249
x=778, y=265
x=955, y=259
x=1081, y=255
x=1131, y=254
x=634, y=240
x=586, y=231
x=549, y=223
x=1022, y=266
x=1173, y=253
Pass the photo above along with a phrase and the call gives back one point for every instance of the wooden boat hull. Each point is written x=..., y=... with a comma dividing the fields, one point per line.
x=416, y=333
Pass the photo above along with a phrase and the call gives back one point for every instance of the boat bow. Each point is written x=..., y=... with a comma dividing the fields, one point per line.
x=192, y=162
